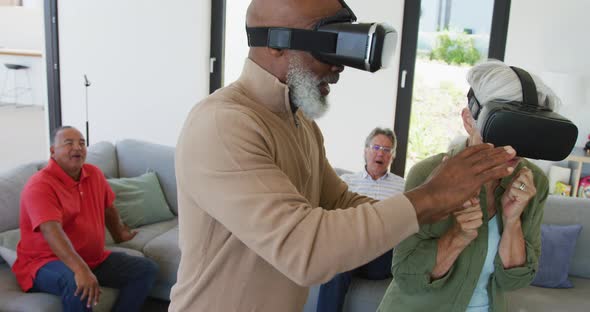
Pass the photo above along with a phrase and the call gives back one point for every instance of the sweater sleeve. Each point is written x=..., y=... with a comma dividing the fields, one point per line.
x=413, y=261
x=226, y=165
x=519, y=277
x=336, y=192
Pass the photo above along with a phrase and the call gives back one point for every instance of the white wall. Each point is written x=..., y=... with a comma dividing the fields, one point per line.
x=148, y=62
x=21, y=28
x=359, y=102
x=550, y=38
x=236, y=45
x=24, y=136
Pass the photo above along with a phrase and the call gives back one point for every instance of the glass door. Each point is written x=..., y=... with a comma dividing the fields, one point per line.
x=23, y=91
x=442, y=40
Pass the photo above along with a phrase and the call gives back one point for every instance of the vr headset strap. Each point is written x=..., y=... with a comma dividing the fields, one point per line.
x=529, y=89
x=473, y=103
x=292, y=39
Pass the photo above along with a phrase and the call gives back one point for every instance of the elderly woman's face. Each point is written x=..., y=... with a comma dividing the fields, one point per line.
x=471, y=128
x=474, y=135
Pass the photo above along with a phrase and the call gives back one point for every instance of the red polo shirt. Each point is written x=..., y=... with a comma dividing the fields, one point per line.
x=52, y=195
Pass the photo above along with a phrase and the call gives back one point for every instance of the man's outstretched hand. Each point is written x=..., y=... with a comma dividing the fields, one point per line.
x=459, y=178
x=124, y=234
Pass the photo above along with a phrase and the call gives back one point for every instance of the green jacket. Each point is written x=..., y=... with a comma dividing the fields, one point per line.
x=414, y=258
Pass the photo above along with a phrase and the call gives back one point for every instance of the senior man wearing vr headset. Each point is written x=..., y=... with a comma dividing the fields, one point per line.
x=262, y=214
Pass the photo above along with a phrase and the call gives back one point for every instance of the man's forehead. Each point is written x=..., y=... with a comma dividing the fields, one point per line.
x=69, y=134
x=380, y=137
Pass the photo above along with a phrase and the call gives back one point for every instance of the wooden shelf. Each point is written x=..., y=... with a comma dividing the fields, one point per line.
x=20, y=52
x=579, y=157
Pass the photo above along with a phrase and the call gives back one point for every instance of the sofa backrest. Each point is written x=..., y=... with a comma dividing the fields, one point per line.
x=340, y=171
x=137, y=157
x=11, y=186
x=563, y=210
x=104, y=156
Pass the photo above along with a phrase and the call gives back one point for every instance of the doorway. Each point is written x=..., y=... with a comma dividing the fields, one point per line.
x=441, y=41
x=23, y=91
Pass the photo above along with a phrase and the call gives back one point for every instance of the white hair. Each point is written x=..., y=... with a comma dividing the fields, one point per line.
x=386, y=132
x=493, y=80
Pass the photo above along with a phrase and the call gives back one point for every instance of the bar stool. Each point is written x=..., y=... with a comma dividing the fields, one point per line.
x=17, y=90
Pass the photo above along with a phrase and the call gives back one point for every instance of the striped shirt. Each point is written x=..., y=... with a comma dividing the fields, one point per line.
x=380, y=189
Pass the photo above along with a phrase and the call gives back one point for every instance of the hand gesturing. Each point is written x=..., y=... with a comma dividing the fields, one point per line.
x=468, y=220
x=87, y=287
x=517, y=196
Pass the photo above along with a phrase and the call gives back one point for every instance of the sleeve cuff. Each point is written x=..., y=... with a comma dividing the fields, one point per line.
x=38, y=223
x=513, y=278
x=399, y=217
x=416, y=276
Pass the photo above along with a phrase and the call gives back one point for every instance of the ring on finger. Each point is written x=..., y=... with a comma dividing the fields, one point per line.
x=522, y=186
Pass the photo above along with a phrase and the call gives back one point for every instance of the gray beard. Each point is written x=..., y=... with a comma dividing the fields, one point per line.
x=304, y=90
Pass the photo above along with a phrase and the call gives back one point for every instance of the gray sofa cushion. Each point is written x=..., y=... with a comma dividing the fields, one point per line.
x=312, y=299
x=44, y=302
x=568, y=210
x=164, y=250
x=533, y=299
x=363, y=295
x=7, y=256
x=144, y=235
x=12, y=298
x=136, y=157
x=8, y=242
x=340, y=171
x=129, y=251
x=11, y=184
x=10, y=238
x=104, y=156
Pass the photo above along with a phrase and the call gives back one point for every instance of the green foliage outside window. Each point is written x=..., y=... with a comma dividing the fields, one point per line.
x=435, y=120
x=457, y=48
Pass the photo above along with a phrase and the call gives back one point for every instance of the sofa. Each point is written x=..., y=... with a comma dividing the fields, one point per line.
x=365, y=295
x=158, y=241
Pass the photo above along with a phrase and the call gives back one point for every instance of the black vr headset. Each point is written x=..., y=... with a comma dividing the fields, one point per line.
x=534, y=131
x=336, y=40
